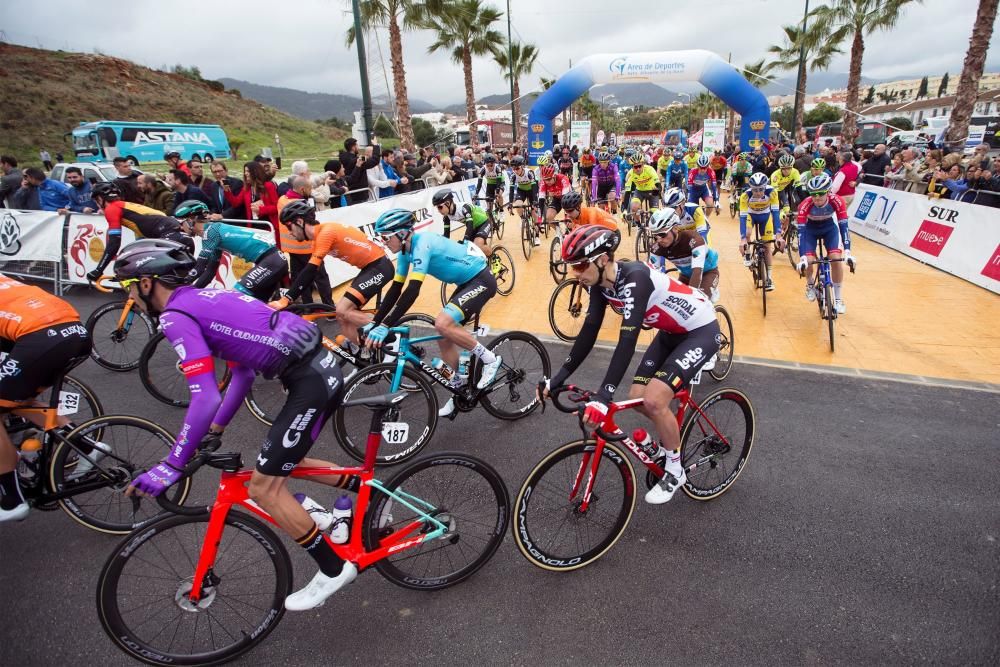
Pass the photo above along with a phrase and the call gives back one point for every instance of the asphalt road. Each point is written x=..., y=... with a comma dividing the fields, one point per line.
x=864, y=530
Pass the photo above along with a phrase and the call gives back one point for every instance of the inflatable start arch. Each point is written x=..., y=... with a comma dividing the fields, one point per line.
x=653, y=67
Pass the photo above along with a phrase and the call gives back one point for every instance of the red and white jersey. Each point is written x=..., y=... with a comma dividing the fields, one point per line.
x=669, y=304
x=556, y=188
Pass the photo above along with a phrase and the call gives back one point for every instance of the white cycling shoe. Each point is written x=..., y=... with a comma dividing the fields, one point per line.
x=85, y=463
x=448, y=408
x=665, y=489
x=320, y=588
x=710, y=364
x=18, y=513
x=839, y=306
x=810, y=294
x=489, y=372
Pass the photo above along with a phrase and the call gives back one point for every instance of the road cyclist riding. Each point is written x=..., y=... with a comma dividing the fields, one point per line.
x=479, y=229
x=760, y=204
x=701, y=183
x=606, y=184
x=823, y=216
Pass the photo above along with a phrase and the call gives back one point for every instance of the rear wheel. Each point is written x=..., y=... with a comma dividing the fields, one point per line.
x=118, y=336
x=568, y=309
x=724, y=360
x=762, y=271
x=792, y=245
x=511, y=395
x=716, y=442
x=831, y=311
x=161, y=374
x=642, y=245
x=556, y=267
x=505, y=274
x=527, y=238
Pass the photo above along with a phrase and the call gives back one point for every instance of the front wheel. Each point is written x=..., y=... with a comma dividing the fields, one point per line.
x=556, y=266
x=143, y=591
x=831, y=311
x=462, y=492
x=762, y=270
x=716, y=442
x=642, y=245
x=551, y=529
x=724, y=360
x=792, y=246
x=503, y=266
x=568, y=309
x=161, y=374
x=120, y=332
x=527, y=237
x=511, y=395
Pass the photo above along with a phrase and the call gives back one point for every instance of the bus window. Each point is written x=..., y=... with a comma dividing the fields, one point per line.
x=85, y=144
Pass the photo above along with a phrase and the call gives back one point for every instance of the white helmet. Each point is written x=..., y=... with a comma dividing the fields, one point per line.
x=663, y=220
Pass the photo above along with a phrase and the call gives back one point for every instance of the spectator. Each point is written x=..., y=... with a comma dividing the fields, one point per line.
x=180, y=182
x=127, y=180
x=336, y=183
x=935, y=186
x=468, y=166
x=10, y=181
x=258, y=197
x=954, y=180
x=439, y=172
x=874, y=168
x=357, y=178
x=270, y=166
x=46, y=159
x=197, y=169
x=157, y=195
x=59, y=158
x=79, y=192
x=802, y=160
x=424, y=156
x=846, y=178
x=416, y=170
x=457, y=173
x=349, y=156
x=299, y=252
x=173, y=158
x=216, y=191
x=384, y=177
x=38, y=193
x=980, y=156
x=300, y=168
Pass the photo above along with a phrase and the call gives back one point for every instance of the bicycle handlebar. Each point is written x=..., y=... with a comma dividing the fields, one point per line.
x=206, y=456
x=581, y=396
x=103, y=288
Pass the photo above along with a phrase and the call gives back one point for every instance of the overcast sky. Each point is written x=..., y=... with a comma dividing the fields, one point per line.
x=301, y=44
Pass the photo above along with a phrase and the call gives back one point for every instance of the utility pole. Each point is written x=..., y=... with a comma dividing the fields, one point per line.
x=514, y=121
x=366, y=95
x=798, y=77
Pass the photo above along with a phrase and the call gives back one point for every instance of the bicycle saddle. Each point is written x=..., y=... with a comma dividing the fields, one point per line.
x=381, y=401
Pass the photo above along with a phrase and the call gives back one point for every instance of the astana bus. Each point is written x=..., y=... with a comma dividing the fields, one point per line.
x=103, y=140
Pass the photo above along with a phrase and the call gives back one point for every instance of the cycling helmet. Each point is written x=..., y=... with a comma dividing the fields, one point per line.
x=819, y=185
x=191, y=207
x=107, y=191
x=442, y=197
x=786, y=160
x=572, y=201
x=603, y=157
x=298, y=208
x=544, y=160
x=674, y=197
x=663, y=220
x=547, y=172
x=395, y=221
x=678, y=155
x=759, y=180
x=702, y=161
x=165, y=260
x=744, y=155
x=490, y=158
x=171, y=154
x=517, y=161
x=589, y=242
x=818, y=163
x=637, y=159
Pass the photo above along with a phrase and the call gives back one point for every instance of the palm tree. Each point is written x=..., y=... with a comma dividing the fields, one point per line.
x=856, y=18
x=463, y=28
x=757, y=73
x=819, y=51
x=396, y=16
x=972, y=71
x=519, y=62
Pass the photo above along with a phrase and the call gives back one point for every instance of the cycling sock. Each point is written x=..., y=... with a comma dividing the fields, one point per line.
x=10, y=491
x=674, y=462
x=836, y=290
x=316, y=545
x=349, y=483
x=484, y=355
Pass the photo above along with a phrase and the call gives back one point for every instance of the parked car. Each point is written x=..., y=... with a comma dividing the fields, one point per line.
x=95, y=172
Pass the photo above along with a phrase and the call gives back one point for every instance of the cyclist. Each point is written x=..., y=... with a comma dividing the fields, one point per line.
x=41, y=338
x=741, y=171
x=677, y=171
x=690, y=214
x=478, y=228
x=145, y=222
x=691, y=157
x=270, y=266
x=586, y=168
x=252, y=338
x=687, y=338
x=784, y=181
x=578, y=215
x=348, y=244
x=823, y=215
x=523, y=185
x=492, y=173
x=566, y=164
x=461, y=264
x=701, y=183
x=816, y=167
x=760, y=203
x=663, y=165
x=718, y=163
x=605, y=182
x=553, y=188
x=697, y=264
x=641, y=184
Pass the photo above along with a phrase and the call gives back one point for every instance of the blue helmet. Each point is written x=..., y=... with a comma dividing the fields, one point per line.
x=394, y=221
x=759, y=180
x=820, y=184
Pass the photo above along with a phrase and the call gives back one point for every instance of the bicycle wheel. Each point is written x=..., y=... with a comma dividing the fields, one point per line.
x=556, y=267
x=642, y=245
x=419, y=410
x=79, y=402
x=161, y=375
x=567, y=309
x=265, y=399
x=792, y=245
x=468, y=496
x=831, y=311
x=762, y=271
x=549, y=528
x=525, y=363
x=527, y=238
x=733, y=202
x=444, y=294
x=136, y=445
x=724, y=362
x=142, y=591
x=119, y=348
x=714, y=457
x=505, y=274
x=498, y=223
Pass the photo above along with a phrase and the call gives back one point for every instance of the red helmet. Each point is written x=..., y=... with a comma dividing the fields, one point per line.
x=548, y=171
x=588, y=242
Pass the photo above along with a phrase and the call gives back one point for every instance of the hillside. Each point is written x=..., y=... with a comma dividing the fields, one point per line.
x=46, y=93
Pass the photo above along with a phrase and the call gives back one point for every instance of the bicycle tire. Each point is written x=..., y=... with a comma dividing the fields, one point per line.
x=111, y=348
x=162, y=376
x=113, y=513
x=507, y=275
x=488, y=529
x=567, y=320
x=517, y=378
x=831, y=311
x=556, y=268
x=792, y=245
x=93, y=407
x=498, y=222
x=527, y=240
x=444, y=294
x=724, y=362
x=762, y=270
x=352, y=434
x=642, y=245
x=552, y=501
x=695, y=434
x=117, y=577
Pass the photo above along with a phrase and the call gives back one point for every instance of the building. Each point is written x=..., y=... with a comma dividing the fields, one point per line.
x=987, y=104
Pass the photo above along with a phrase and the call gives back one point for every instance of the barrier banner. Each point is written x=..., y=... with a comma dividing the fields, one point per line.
x=30, y=235
x=961, y=239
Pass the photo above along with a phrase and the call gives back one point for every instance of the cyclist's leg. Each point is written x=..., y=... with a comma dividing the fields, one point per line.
x=834, y=248
x=807, y=250
x=465, y=303
x=369, y=282
x=261, y=281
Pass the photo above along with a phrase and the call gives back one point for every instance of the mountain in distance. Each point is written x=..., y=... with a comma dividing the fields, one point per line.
x=626, y=95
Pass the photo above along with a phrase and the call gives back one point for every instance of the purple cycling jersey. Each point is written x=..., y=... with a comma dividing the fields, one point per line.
x=604, y=176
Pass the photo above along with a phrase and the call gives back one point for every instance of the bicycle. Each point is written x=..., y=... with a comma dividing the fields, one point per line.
x=207, y=584
x=791, y=235
x=557, y=268
x=118, y=340
x=734, y=203
x=510, y=396
x=758, y=265
x=492, y=207
x=501, y=264
x=585, y=190
x=567, y=515
x=643, y=239
x=94, y=499
x=824, y=288
x=529, y=227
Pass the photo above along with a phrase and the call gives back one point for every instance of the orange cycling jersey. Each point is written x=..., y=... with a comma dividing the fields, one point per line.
x=345, y=243
x=145, y=222
x=591, y=215
x=25, y=309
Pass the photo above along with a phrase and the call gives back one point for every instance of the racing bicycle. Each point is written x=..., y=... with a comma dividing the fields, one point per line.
x=119, y=332
x=824, y=288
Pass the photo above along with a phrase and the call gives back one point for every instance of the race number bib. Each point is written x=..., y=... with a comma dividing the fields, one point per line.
x=395, y=433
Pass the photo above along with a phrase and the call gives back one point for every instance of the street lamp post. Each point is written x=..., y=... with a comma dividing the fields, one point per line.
x=802, y=65
x=366, y=96
x=514, y=122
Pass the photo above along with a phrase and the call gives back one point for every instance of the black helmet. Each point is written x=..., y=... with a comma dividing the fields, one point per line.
x=172, y=154
x=168, y=261
x=298, y=208
x=489, y=158
x=589, y=242
x=442, y=197
x=517, y=161
x=106, y=190
x=572, y=201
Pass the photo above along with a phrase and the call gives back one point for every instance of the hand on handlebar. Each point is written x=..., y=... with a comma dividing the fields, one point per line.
x=154, y=481
x=594, y=413
x=779, y=243
x=280, y=303
x=376, y=337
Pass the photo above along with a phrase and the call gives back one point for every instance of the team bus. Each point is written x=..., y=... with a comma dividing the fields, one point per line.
x=102, y=140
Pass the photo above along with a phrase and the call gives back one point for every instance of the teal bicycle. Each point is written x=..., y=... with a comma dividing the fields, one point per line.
x=411, y=425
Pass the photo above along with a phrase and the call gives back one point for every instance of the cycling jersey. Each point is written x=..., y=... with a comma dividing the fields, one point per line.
x=446, y=260
x=644, y=180
x=689, y=252
x=691, y=160
x=558, y=186
x=677, y=173
x=694, y=219
x=348, y=244
x=473, y=217
x=700, y=178
x=25, y=309
x=828, y=222
x=663, y=163
x=742, y=168
x=759, y=208
x=603, y=178
x=566, y=165
x=493, y=177
x=591, y=215
x=587, y=160
x=718, y=162
x=524, y=183
x=239, y=241
x=779, y=181
x=142, y=220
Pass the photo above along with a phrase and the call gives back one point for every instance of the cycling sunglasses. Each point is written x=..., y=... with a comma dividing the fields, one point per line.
x=128, y=282
x=661, y=235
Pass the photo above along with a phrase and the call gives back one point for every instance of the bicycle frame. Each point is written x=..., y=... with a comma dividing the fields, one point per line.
x=406, y=354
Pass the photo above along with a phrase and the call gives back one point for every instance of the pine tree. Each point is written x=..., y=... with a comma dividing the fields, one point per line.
x=943, y=88
x=870, y=97
x=922, y=91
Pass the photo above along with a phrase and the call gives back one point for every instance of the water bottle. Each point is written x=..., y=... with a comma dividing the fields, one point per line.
x=340, y=532
x=442, y=368
x=652, y=448
x=464, y=357
x=30, y=449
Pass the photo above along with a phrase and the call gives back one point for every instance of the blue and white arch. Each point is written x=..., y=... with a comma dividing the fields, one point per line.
x=651, y=67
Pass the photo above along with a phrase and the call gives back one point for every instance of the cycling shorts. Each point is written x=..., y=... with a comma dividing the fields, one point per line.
x=470, y=297
x=648, y=196
x=314, y=386
x=526, y=195
x=696, y=192
x=261, y=281
x=555, y=202
x=585, y=172
x=810, y=235
x=34, y=361
x=370, y=281
x=491, y=190
x=605, y=190
x=674, y=359
x=764, y=224
x=483, y=232
x=709, y=283
x=740, y=182
x=788, y=198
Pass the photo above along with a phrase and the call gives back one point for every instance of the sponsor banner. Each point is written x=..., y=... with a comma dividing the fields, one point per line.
x=579, y=133
x=30, y=235
x=961, y=239
x=714, y=136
